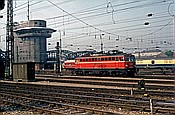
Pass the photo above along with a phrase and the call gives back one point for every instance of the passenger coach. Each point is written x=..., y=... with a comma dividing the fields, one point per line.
x=160, y=64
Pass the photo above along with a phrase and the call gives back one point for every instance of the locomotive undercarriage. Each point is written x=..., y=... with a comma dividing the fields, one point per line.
x=158, y=70
x=104, y=72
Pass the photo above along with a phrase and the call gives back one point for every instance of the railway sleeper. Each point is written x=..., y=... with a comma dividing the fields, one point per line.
x=135, y=108
x=164, y=110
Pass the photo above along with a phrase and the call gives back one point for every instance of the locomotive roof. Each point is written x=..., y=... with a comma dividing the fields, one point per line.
x=103, y=55
x=70, y=61
x=155, y=58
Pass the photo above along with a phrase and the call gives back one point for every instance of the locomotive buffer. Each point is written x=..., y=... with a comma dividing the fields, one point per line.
x=58, y=57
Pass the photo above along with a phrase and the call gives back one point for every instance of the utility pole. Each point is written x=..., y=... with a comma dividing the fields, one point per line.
x=58, y=59
x=60, y=54
x=101, y=42
x=9, y=41
x=28, y=11
x=174, y=28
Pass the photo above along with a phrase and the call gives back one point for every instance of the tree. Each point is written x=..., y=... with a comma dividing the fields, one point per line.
x=169, y=53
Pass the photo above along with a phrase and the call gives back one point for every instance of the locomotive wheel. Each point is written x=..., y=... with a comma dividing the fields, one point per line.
x=130, y=73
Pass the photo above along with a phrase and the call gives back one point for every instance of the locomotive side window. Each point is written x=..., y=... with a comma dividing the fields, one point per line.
x=123, y=58
x=117, y=59
x=86, y=59
x=113, y=58
x=106, y=59
x=120, y=58
x=152, y=62
x=92, y=59
x=109, y=58
x=83, y=60
x=102, y=59
x=98, y=59
x=80, y=60
x=95, y=59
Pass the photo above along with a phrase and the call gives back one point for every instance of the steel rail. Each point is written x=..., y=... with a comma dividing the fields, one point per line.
x=88, y=90
x=33, y=103
x=108, y=83
x=132, y=100
x=125, y=79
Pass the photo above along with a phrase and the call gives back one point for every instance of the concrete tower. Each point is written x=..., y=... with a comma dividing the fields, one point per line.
x=30, y=41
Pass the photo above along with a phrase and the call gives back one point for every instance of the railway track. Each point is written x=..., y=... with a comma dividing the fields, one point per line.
x=163, y=84
x=42, y=96
x=98, y=90
x=52, y=107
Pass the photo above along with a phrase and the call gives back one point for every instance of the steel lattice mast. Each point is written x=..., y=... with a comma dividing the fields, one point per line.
x=9, y=40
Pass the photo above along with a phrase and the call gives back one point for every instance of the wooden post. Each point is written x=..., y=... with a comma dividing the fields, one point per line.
x=132, y=92
x=151, y=106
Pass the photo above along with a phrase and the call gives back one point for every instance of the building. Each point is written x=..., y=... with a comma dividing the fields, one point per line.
x=30, y=41
x=149, y=53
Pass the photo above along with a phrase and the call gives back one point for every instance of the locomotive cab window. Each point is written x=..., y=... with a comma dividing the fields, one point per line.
x=132, y=58
x=127, y=58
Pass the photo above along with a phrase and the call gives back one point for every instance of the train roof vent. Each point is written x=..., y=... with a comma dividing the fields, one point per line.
x=114, y=52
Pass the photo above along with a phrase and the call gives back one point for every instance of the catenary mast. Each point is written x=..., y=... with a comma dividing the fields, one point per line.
x=9, y=41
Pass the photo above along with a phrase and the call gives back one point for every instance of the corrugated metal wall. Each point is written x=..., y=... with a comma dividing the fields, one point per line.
x=24, y=71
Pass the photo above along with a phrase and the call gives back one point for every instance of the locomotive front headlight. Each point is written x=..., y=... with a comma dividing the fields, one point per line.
x=126, y=65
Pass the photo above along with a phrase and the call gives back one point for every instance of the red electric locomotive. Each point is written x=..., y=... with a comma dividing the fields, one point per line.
x=69, y=64
x=105, y=64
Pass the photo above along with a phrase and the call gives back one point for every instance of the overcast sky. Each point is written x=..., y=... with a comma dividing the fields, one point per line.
x=120, y=23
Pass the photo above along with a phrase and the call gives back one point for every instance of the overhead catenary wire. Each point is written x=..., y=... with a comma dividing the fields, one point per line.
x=81, y=20
x=111, y=28
x=133, y=27
x=118, y=11
x=135, y=19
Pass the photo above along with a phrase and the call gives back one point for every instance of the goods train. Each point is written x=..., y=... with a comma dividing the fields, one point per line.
x=102, y=64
